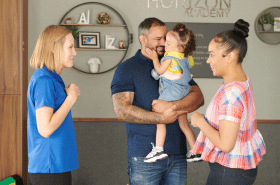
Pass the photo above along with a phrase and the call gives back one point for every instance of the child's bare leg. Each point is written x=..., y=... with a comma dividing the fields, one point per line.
x=185, y=127
x=161, y=134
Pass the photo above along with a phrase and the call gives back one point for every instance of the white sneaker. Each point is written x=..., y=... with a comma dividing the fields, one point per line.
x=194, y=157
x=155, y=155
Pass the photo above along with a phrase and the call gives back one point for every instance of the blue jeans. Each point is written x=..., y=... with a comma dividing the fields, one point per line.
x=221, y=175
x=163, y=172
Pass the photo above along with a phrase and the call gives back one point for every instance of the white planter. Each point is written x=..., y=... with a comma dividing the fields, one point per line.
x=94, y=64
x=267, y=27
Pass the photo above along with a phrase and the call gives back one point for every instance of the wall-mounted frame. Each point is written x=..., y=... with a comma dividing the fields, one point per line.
x=269, y=37
x=117, y=28
x=276, y=23
x=89, y=40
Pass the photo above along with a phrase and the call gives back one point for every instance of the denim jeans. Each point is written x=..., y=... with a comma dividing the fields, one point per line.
x=163, y=172
x=221, y=175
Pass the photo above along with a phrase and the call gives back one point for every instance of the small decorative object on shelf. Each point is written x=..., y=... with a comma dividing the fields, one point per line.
x=103, y=18
x=83, y=19
x=276, y=23
x=108, y=42
x=267, y=21
x=94, y=64
x=89, y=40
x=121, y=44
x=68, y=20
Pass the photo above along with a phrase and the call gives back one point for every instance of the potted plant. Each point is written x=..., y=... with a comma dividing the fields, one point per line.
x=75, y=33
x=267, y=21
x=68, y=20
x=103, y=18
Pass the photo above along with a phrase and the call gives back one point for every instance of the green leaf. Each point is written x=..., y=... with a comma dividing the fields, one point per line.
x=266, y=18
x=74, y=30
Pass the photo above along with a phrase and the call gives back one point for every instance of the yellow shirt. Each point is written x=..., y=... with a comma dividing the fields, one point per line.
x=191, y=62
x=175, y=62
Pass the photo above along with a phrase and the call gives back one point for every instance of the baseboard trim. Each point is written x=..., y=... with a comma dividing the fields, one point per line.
x=120, y=120
x=98, y=119
x=267, y=121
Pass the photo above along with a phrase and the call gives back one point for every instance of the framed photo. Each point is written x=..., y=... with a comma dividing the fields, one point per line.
x=276, y=23
x=89, y=39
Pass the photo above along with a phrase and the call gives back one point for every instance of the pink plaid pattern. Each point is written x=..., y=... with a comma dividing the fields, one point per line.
x=233, y=102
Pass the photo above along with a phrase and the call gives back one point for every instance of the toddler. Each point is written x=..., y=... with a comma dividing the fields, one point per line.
x=173, y=72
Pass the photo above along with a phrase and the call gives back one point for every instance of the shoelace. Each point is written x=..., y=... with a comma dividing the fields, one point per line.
x=153, y=152
x=190, y=154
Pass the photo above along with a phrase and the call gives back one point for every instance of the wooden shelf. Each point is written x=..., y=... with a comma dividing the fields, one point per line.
x=103, y=25
x=118, y=25
x=269, y=31
x=81, y=49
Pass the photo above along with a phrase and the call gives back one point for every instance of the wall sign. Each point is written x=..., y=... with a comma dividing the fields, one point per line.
x=83, y=19
x=204, y=33
x=196, y=8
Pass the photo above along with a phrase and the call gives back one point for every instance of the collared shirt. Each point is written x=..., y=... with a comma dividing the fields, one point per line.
x=134, y=75
x=58, y=152
x=233, y=102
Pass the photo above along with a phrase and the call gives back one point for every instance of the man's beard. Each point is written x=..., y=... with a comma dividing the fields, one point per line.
x=159, y=49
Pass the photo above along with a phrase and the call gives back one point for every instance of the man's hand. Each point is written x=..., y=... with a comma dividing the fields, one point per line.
x=192, y=101
x=170, y=115
x=161, y=105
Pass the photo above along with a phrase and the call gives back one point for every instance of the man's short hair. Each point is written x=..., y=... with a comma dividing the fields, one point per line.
x=145, y=25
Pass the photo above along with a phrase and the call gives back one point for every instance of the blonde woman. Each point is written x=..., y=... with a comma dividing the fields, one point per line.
x=52, y=149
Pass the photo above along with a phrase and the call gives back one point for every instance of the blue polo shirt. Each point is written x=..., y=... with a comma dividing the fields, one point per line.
x=58, y=152
x=134, y=75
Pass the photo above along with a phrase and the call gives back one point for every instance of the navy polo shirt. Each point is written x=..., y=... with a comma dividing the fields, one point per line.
x=134, y=75
x=58, y=152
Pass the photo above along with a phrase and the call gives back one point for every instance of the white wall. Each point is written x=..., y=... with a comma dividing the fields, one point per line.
x=261, y=63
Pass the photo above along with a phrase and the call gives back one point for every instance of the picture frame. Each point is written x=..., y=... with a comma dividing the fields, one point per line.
x=276, y=23
x=89, y=40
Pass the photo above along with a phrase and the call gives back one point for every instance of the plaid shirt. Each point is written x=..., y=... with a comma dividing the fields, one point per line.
x=233, y=102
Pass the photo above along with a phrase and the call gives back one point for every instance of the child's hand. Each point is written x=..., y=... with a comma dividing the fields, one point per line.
x=152, y=54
